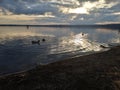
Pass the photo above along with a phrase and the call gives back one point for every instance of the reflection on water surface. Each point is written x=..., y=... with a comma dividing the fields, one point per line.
x=18, y=53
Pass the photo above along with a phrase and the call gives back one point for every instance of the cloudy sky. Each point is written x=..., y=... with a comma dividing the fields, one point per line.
x=59, y=11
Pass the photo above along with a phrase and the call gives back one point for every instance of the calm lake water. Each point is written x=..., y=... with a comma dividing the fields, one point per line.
x=17, y=52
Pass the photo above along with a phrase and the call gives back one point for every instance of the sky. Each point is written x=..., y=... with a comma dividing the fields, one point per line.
x=73, y=12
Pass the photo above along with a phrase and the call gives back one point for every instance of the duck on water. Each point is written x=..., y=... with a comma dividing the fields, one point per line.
x=38, y=41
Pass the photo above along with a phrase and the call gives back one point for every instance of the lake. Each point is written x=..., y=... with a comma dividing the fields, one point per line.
x=18, y=53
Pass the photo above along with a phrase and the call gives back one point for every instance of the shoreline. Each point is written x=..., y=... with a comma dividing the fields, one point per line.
x=98, y=71
x=77, y=56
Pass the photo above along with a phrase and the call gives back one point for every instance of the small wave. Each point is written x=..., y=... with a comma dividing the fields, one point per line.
x=79, y=42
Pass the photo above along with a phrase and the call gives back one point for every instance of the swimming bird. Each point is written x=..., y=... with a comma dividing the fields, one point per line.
x=36, y=42
x=102, y=46
x=43, y=40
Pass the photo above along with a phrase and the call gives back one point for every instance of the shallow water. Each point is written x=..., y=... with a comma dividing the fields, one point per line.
x=17, y=52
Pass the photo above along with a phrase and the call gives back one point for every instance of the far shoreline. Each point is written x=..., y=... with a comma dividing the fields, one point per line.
x=112, y=26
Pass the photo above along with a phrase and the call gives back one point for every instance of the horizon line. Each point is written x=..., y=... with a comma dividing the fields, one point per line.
x=67, y=25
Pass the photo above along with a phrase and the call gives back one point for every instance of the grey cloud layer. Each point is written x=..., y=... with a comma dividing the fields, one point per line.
x=40, y=7
x=27, y=7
